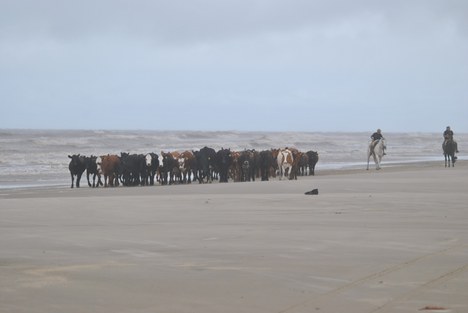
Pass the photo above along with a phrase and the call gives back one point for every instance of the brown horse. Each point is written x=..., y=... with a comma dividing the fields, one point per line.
x=449, y=147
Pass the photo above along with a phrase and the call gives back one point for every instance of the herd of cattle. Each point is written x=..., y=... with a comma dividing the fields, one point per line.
x=204, y=165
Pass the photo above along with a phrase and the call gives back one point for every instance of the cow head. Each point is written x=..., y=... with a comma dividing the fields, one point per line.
x=148, y=159
x=91, y=162
x=99, y=164
x=181, y=161
x=77, y=160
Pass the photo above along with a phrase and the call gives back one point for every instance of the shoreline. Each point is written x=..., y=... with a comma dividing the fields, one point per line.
x=386, y=168
x=326, y=170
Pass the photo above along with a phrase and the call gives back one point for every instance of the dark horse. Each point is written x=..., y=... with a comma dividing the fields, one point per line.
x=449, y=148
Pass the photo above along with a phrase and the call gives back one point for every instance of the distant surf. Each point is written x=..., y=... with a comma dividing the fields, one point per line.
x=40, y=157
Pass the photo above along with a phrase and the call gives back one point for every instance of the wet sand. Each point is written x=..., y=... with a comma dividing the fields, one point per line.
x=394, y=240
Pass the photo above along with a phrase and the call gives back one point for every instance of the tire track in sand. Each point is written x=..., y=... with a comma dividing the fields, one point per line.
x=429, y=284
x=400, y=266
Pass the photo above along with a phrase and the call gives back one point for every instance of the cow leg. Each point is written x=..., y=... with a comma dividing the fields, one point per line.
x=95, y=184
x=78, y=178
x=99, y=181
x=73, y=177
x=87, y=178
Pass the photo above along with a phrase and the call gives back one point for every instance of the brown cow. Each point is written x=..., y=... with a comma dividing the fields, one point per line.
x=175, y=172
x=186, y=162
x=285, y=161
x=235, y=167
x=109, y=166
x=274, y=169
x=303, y=164
x=297, y=157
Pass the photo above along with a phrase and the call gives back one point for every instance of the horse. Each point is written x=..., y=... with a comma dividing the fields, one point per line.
x=377, y=152
x=449, y=148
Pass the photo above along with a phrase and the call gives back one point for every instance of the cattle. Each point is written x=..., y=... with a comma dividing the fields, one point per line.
x=285, y=161
x=256, y=164
x=151, y=167
x=110, y=167
x=76, y=166
x=224, y=160
x=92, y=169
x=206, y=161
x=297, y=157
x=167, y=167
x=266, y=162
x=313, y=159
x=203, y=165
x=176, y=171
x=303, y=164
x=133, y=170
x=275, y=169
x=235, y=167
x=248, y=161
x=187, y=166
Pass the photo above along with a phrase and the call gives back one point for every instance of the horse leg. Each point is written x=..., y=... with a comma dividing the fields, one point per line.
x=374, y=156
x=370, y=152
x=377, y=162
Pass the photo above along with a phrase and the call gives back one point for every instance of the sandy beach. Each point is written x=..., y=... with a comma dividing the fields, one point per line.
x=394, y=240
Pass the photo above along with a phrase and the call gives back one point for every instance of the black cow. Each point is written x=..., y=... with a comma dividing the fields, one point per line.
x=224, y=161
x=151, y=167
x=266, y=162
x=92, y=169
x=133, y=169
x=206, y=161
x=167, y=167
x=77, y=166
x=249, y=160
x=303, y=164
x=313, y=159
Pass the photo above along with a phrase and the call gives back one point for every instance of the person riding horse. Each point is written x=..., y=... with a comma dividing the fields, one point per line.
x=448, y=135
x=375, y=138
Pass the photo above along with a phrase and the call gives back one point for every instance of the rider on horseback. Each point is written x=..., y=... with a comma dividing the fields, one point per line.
x=375, y=138
x=448, y=135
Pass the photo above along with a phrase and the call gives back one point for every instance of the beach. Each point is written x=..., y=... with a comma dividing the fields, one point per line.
x=394, y=240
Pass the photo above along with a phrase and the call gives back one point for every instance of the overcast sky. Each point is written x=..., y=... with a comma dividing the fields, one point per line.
x=295, y=65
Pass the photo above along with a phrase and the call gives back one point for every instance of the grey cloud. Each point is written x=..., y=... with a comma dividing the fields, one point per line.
x=204, y=20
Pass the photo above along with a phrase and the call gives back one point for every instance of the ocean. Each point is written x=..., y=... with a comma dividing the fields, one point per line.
x=35, y=158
